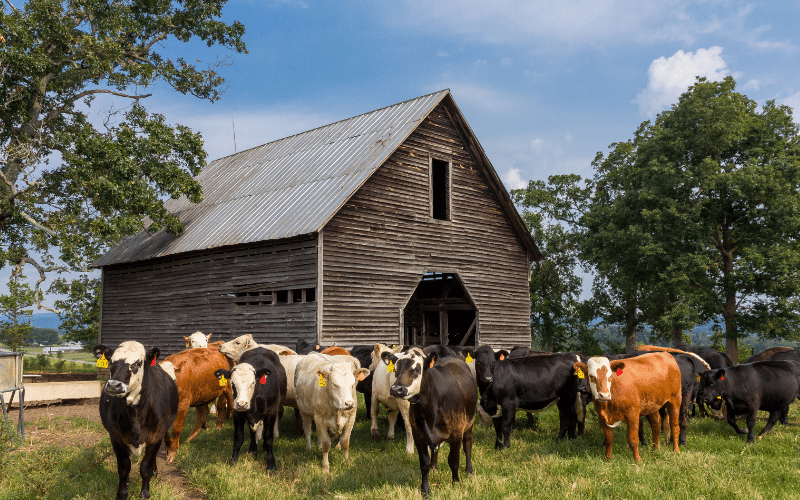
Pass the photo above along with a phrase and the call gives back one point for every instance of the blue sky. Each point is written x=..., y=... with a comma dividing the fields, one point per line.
x=544, y=85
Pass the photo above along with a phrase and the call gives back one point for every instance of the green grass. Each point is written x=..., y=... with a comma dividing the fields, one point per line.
x=42, y=363
x=715, y=464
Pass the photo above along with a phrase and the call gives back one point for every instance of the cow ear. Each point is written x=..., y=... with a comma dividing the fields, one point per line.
x=152, y=356
x=377, y=350
x=501, y=355
x=285, y=353
x=387, y=356
x=208, y=337
x=361, y=373
x=100, y=350
x=580, y=369
x=222, y=373
x=430, y=361
x=263, y=372
x=720, y=375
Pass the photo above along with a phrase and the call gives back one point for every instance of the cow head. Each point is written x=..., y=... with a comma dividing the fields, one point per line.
x=712, y=388
x=599, y=370
x=197, y=339
x=127, y=365
x=408, y=368
x=233, y=349
x=339, y=380
x=485, y=358
x=303, y=347
x=377, y=352
x=243, y=379
x=580, y=371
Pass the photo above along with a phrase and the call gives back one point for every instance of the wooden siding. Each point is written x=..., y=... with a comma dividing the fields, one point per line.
x=160, y=301
x=378, y=246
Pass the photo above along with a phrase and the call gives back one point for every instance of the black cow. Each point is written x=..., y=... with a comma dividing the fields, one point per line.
x=303, y=347
x=522, y=352
x=443, y=399
x=137, y=407
x=766, y=354
x=259, y=391
x=533, y=383
x=715, y=360
x=792, y=355
x=363, y=353
x=747, y=388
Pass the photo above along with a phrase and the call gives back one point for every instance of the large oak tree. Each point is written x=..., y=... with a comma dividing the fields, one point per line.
x=74, y=180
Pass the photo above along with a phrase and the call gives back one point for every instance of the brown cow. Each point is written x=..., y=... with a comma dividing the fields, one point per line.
x=627, y=389
x=193, y=372
x=335, y=351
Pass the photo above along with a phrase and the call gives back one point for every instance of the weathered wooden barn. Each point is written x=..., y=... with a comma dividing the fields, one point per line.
x=391, y=226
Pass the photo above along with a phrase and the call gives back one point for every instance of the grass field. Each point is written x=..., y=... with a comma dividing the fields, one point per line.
x=715, y=464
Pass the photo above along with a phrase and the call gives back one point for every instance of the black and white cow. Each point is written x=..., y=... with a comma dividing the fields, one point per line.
x=747, y=388
x=533, y=384
x=259, y=391
x=137, y=407
x=443, y=399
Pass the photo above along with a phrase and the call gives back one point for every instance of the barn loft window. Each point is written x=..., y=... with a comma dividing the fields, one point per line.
x=272, y=297
x=440, y=189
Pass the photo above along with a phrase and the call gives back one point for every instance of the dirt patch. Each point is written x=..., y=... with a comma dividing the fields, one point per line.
x=52, y=426
x=59, y=377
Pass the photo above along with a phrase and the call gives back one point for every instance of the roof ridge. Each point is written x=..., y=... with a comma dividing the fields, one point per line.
x=331, y=124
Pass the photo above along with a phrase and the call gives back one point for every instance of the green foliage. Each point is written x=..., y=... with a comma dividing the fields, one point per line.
x=15, y=329
x=45, y=336
x=80, y=317
x=69, y=189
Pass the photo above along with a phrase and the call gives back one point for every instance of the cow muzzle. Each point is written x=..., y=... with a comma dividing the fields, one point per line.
x=604, y=397
x=398, y=391
x=116, y=388
x=241, y=405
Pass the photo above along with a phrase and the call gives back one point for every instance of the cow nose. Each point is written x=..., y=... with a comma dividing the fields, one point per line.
x=397, y=391
x=349, y=405
x=241, y=405
x=115, y=387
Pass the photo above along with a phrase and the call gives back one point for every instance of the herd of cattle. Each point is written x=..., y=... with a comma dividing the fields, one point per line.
x=436, y=390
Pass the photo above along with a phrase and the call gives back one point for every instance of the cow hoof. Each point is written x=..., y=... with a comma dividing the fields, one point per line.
x=376, y=436
x=170, y=457
x=390, y=438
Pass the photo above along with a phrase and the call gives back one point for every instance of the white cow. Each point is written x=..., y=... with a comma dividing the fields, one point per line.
x=325, y=388
x=382, y=379
x=197, y=339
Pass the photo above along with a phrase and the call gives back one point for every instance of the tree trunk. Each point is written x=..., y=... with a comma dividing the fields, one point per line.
x=631, y=322
x=677, y=334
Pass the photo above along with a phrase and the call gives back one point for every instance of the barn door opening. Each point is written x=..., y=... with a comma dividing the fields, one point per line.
x=440, y=311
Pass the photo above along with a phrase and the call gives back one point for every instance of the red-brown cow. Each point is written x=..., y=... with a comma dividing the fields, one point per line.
x=627, y=389
x=335, y=351
x=193, y=371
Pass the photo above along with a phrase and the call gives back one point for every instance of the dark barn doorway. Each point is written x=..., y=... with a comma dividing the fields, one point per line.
x=440, y=311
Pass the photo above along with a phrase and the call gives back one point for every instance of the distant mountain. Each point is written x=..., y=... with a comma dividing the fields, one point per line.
x=44, y=320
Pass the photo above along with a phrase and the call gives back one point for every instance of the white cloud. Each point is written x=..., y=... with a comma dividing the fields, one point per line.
x=506, y=62
x=752, y=84
x=513, y=180
x=670, y=77
x=568, y=137
x=793, y=101
x=555, y=24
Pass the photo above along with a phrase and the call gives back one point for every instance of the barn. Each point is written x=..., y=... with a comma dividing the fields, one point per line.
x=391, y=226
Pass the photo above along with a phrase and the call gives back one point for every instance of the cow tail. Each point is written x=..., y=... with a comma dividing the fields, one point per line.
x=670, y=349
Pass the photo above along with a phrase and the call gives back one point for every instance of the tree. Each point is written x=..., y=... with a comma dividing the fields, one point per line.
x=74, y=181
x=15, y=328
x=81, y=308
x=45, y=336
x=727, y=180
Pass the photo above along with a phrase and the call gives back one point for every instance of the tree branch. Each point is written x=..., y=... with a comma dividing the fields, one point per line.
x=42, y=277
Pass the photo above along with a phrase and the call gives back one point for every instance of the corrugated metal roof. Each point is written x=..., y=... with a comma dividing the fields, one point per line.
x=285, y=188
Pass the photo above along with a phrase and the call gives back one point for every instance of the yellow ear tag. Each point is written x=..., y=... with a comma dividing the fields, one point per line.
x=102, y=362
x=698, y=378
x=469, y=359
x=390, y=367
x=580, y=373
x=188, y=344
x=222, y=381
x=321, y=381
x=719, y=397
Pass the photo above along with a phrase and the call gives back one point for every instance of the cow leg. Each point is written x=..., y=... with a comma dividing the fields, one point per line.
x=269, y=438
x=324, y=440
x=344, y=439
x=751, y=423
x=404, y=409
x=392, y=421
x=608, y=440
x=771, y=421
x=785, y=415
x=238, y=435
x=307, y=420
x=199, y=420
x=731, y=417
x=642, y=437
x=486, y=420
x=502, y=427
x=298, y=421
x=424, y=465
x=632, y=421
x=655, y=428
x=148, y=467
x=224, y=406
x=373, y=415
x=453, y=458
x=467, y=440
x=177, y=429
x=678, y=421
x=123, y=468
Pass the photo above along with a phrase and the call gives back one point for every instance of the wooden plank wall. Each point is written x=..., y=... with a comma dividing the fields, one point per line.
x=158, y=302
x=379, y=245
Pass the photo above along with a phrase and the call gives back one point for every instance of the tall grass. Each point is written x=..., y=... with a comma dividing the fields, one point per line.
x=715, y=464
x=43, y=363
